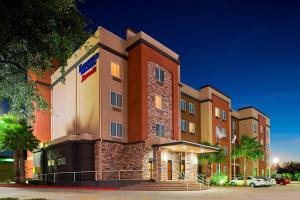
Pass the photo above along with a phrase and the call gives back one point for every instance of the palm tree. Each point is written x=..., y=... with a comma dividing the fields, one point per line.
x=16, y=135
x=212, y=157
x=248, y=149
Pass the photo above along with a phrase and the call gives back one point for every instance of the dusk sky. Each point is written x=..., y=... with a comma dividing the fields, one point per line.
x=250, y=50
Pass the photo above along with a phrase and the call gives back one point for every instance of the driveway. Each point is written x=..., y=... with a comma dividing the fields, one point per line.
x=290, y=192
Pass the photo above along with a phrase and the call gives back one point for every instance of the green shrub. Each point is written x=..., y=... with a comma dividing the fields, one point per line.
x=287, y=175
x=218, y=179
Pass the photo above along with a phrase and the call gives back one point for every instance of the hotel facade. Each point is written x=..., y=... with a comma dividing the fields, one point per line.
x=120, y=111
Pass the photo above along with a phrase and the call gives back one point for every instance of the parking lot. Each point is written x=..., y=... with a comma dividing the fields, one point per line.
x=290, y=192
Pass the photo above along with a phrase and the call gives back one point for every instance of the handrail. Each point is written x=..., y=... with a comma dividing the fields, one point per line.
x=201, y=179
x=74, y=175
x=40, y=176
x=182, y=178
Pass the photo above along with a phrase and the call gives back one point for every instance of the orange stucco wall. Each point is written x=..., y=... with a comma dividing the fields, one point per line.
x=138, y=58
x=42, y=123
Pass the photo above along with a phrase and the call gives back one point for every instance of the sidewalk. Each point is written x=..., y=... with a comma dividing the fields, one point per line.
x=55, y=187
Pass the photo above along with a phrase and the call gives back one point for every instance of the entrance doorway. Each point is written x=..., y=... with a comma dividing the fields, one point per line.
x=169, y=169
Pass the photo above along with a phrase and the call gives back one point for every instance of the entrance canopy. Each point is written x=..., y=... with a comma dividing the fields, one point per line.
x=184, y=146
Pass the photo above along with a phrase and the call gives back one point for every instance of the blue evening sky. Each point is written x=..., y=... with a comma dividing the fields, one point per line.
x=248, y=49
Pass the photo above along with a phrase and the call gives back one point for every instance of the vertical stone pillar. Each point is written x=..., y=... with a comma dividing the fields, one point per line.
x=191, y=166
x=157, y=164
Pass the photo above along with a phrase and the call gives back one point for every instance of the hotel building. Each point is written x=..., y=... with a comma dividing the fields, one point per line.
x=120, y=111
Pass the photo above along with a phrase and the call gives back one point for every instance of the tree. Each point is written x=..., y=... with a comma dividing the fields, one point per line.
x=16, y=135
x=212, y=157
x=35, y=36
x=248, y=149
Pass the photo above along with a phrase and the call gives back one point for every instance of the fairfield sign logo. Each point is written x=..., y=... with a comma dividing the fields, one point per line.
x=89, y=67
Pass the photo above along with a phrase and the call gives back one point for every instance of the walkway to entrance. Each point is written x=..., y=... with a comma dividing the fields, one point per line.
x=177, y=161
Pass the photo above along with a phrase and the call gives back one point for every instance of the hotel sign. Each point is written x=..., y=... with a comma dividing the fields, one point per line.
x=88, y=68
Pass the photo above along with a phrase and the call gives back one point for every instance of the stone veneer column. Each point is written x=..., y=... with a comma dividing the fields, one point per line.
x=191, y=166
x=117, y=156
x=157, y=164
x=164, y=89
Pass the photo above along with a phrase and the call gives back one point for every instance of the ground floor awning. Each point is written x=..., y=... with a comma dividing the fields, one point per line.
x=185, y=146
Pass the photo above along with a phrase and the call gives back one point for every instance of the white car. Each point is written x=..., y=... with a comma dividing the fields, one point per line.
x=251, y=181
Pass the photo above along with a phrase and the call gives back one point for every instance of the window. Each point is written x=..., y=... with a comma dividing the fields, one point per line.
x=116, y=129
x=192, y=128
x=255, y=128
x=183, y=125
x=50, y=162
x=218, y=168
x=254, y=172
x=182, y=105
x=160, y=130
x=217, y=112
x=159, y=74
x=261, y=129
x=262, y=142
x=263, y=158
x=224, y=169
x=223, y=115
x=233, y=126
x=116, y=99
x=59, y=162
x=224, y=131
x=158, y=101
x=225, y=151
x=263, y=172
x=116, y=70
x=63, y=161
x=192, y=108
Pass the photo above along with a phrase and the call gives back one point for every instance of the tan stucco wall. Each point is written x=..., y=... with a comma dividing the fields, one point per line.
x=206, y=122
x=63, y=113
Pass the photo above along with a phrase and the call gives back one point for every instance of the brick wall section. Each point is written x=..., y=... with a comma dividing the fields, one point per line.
x=155, y=115
x=117, y=156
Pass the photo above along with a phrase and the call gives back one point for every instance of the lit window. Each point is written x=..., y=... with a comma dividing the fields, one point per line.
x=116, y=70
x=159, y=74
x=182, y=105
x=261, y=129
x=223, y=115
x=192, y=128
x=183, y=125
x=116, y=99
x=192, y=108
x=158, y=101
x=116, y=129
x=217, y=112
x=63, y=161
x=59, y=162
x=160, y=130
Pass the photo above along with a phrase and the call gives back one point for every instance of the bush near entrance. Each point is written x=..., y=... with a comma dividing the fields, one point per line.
x=218, y=179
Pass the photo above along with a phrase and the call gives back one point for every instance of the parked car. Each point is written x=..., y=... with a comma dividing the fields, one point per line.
x=251, y=181
x=268, y=181
x=283, y=181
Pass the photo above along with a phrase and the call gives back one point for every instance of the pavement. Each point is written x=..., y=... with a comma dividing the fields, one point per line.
x=290, y=192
